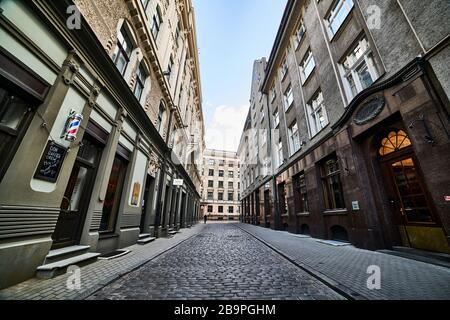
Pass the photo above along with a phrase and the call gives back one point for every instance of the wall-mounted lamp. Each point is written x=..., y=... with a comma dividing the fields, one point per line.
x=428, y=137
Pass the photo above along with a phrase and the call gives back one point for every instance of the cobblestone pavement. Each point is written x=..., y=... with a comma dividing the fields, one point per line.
x=346, y=266
x=222, y=262
x=96, y=275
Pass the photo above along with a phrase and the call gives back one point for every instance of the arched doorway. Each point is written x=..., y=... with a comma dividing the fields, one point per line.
x=339, y=233
x=408, y=197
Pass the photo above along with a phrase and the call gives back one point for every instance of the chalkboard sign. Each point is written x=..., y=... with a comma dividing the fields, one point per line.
x=51, y=162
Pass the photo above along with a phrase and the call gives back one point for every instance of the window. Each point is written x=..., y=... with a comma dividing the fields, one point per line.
x=141, y=75
x=122, y=53
x=177, y=31
x=230, y=196
x=145, y=3
x=221, y=172
x=331, y=183
x=156, y=22
x=210, y=196
x=294, y=138
x=160, y=116
x=307, y=66
x=276, y=119
x=317, y=114
x=301, y=198
x=273, y=94
x=220, y=194
x=220, y=184
x=221, y=163
x=336, y=18
x=230, y=174
x=262, y=115
x=220, y=209
x=300, y=34
x=113, y=195
x=210, y=209
x=210, y=184
x=211, y=173
x=230, y=165
x=170, y=67
x=393, y=142
x=230, y=209
x=358, y=69
x=230, y=185
x=15, y=115
x=288, y=98
x=211, y=162
x=280, y=153
x=284, y=69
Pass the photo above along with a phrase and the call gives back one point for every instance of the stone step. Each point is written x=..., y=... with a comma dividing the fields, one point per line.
x=173, y=232
x=146, y=240
x=51, y=270
x=144, y=235
x=434, y=258
x=64, y=253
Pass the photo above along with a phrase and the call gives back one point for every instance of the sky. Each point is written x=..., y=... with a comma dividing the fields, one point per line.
x=231, y=35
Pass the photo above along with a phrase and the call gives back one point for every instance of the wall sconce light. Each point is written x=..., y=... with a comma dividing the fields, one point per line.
x=428, y=137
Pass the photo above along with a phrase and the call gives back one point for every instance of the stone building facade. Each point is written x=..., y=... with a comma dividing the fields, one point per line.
x=221, y=185
x=358, y=100
x=100, y=113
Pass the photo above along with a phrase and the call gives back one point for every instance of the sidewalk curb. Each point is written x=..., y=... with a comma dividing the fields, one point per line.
x=103, y=283
x=329, y=282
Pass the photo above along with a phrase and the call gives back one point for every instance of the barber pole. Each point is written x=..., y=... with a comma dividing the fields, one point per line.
x=74, y=125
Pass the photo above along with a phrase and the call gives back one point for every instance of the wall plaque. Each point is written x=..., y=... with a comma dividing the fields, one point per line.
x=51, y=162
x=369, y=110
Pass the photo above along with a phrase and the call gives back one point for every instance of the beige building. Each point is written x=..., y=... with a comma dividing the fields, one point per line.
x=221, y=184
x=101, y=129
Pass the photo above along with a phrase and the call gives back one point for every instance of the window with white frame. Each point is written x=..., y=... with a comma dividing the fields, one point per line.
x=288, y=98
x=307, y=66
x=337, y=15
x=122, y=53
x=294, y=138
x=156, y=22
x=358, y=69
x=300, y=34
x=280, y=152
x=317, y=114
x=276, y=119
x=141, y=75
x=284, y=69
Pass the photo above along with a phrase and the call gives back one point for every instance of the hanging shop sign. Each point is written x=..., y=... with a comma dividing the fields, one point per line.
x=178, y=182
x=51, y=162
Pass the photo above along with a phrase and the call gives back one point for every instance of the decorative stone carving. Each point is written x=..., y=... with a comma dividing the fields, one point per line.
x=71, y=71
x=369, y=110
x=153, y=165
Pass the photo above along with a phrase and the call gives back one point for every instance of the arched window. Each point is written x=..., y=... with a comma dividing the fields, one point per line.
x=395, y=141
x=160, y=119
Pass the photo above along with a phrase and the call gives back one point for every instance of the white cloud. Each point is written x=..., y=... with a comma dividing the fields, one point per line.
x=225, y=128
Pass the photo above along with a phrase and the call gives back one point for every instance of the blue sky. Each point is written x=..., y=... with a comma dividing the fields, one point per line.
x=231, y=35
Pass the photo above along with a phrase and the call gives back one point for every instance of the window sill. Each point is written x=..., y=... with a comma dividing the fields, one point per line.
x=336, y=212
x=107, y=235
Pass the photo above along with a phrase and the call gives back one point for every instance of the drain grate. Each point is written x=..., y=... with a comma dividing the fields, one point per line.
x=113, y=254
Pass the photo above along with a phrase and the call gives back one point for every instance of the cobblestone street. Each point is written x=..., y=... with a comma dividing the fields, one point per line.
x=222, y=262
